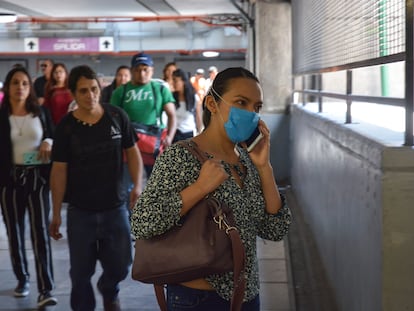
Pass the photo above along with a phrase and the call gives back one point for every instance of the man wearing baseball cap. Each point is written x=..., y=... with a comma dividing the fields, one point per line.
x=144, y=99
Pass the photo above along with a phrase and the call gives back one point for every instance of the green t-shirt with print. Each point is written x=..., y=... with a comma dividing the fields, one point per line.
x=138, y=101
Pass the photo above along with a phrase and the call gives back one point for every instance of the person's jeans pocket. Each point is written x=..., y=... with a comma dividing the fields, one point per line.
x=181, y=298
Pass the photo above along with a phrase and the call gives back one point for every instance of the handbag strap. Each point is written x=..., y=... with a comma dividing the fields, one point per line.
x=160, y=294
x=194, y=149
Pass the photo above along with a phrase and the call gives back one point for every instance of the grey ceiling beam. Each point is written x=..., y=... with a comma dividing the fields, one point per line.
x=19, y=9
x=158, y=7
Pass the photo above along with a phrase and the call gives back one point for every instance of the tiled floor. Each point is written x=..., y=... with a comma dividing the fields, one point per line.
x=276, y=291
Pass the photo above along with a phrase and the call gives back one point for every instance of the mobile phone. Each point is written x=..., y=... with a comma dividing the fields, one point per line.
x=31, y=158
x=252, y=141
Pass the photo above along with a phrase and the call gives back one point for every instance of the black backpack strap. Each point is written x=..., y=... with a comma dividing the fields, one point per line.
x=123, y=95
x=113, y=115
x=154, y=93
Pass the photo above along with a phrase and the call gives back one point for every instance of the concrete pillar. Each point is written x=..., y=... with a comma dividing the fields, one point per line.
x=274, y=52
x=270, y=57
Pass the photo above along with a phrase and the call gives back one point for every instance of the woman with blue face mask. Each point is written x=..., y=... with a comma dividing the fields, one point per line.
x=244, y=180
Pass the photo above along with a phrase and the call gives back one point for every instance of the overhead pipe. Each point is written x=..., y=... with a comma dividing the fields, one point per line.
x=205, y=19
x=130, y=53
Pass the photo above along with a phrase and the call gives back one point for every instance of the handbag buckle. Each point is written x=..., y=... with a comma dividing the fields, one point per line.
x=222, y=223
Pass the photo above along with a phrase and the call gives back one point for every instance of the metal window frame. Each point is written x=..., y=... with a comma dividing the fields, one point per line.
x=407, y=102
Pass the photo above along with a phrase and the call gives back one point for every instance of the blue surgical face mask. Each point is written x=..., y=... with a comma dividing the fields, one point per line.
x=240, y=124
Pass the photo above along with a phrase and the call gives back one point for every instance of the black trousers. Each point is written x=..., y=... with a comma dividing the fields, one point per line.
x=181, y=136
x=29, y=191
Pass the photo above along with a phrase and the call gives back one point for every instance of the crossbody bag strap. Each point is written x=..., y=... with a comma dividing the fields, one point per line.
x=154, y=94
x=194, y=149
x=123, y=95
x=160, y=294
x=239, y=281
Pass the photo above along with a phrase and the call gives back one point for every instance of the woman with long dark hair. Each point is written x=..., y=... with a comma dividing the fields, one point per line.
x=57, y=94
x=26, y=140
x=122, y=76
x=167, y=74
x=188, y=107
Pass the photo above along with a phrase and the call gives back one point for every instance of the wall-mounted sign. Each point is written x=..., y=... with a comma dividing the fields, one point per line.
x=57, y=45
x=106, y=44
x=31, y=45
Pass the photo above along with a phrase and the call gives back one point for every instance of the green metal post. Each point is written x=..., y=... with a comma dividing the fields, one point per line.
x=383, y=46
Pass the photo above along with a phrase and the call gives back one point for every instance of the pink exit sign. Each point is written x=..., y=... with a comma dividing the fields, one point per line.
x=69, y=45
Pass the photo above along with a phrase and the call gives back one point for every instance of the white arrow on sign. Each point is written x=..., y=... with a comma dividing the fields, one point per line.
x=31, y=45
x=106, y=44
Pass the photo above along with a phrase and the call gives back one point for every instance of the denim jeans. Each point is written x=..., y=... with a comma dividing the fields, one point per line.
x=93, y=236
x=181, y=298
x=127, y=184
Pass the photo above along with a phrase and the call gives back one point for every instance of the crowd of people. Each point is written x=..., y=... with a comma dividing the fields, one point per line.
x=65, y=137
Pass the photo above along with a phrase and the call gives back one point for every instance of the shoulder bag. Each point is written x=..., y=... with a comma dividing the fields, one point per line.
x=205, y=243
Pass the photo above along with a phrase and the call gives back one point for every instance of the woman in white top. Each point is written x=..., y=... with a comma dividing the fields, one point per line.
x=26, y=142
x=188, y=107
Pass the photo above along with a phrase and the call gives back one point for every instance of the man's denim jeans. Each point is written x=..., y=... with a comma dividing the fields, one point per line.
x=92, y=236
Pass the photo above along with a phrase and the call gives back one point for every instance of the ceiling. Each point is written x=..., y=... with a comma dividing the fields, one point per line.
x=122, y=19
x=81, y=9
x=90, y=8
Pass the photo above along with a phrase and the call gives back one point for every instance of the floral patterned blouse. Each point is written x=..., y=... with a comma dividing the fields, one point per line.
x=158, y=209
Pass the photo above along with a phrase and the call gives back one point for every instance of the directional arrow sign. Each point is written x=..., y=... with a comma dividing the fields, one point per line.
x=31, y=45
x=106, y=44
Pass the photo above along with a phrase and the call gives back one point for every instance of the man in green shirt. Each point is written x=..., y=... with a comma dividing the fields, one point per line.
x=144, y=99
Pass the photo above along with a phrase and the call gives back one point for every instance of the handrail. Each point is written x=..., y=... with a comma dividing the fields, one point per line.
x=390, y=101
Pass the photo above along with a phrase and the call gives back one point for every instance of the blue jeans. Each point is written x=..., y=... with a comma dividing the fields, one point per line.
x=93, y=236
x=127, y=184
x=181, y=298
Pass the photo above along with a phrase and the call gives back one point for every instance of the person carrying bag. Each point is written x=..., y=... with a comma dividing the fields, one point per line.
x=144, y=99
x=239, y=184
x=205, y=242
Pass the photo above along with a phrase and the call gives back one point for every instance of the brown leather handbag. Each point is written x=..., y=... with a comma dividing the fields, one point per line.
x=205, y=242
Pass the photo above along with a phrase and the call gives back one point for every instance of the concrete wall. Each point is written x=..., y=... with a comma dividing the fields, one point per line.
x=398, y=229
x=279, y=127
x=356, y=195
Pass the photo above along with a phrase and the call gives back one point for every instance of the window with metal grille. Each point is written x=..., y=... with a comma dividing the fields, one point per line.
x=331, y=33
x=354, y=37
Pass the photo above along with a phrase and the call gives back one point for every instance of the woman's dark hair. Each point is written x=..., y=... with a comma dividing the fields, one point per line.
x=221, y=85
x=164, y=71
x=117, y=71
x=31, y=103
x=49, y=88
x=189, y=91
x=81, y=71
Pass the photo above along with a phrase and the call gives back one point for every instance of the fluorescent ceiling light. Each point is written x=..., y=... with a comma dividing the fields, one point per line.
x=7, y=18
x=210, y=54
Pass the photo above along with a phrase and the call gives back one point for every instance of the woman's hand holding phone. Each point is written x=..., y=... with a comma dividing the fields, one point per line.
x=254, y=139
x=259, y=144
